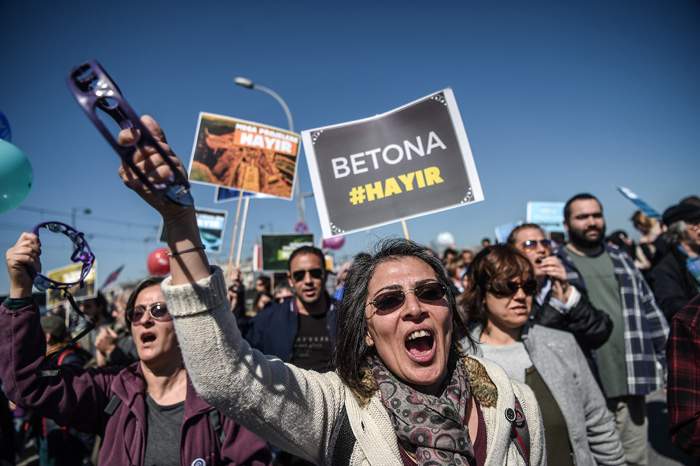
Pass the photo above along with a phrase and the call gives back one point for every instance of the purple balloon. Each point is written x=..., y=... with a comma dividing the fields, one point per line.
x=334, y=242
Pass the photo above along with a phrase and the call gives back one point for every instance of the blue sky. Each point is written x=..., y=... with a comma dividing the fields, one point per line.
x=556, y=98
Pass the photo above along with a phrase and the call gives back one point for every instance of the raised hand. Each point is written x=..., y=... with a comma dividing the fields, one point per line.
x=152, y=164
x=20, y=259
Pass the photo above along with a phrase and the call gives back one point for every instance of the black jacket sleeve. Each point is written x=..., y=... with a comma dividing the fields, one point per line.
x=590, y=326
x=673, y=289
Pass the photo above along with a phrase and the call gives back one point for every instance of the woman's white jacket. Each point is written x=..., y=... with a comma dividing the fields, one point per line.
x=304, y=412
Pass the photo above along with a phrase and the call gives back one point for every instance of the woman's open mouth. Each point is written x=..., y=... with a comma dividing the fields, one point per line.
x=420, y=345
x=148, y=337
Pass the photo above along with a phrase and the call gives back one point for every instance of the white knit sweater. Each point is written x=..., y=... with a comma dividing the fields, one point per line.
x=296, y=409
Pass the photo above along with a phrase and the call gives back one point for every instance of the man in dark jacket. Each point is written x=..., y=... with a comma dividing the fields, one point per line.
x=300, y=330
x=559, y=304
x=676, y=279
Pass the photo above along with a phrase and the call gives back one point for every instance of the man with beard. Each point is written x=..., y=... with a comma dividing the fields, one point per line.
x=627, y=361
x=301, y=329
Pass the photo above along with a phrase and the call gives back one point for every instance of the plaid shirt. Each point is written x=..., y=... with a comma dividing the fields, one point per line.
x=646, y=328
x=684, y=378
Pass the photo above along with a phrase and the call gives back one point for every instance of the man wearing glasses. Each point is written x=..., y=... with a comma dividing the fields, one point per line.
x=300, y=329
x=676, y=279
x=627, y=362
x=558, y=304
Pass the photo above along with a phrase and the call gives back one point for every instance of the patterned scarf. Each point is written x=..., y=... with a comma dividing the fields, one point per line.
x=431, y=426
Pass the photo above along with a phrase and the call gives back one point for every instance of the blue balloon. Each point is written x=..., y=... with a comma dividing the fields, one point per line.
x=5, y=131
x=15, y=176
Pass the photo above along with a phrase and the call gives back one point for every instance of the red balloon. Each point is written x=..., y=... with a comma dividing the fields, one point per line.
x=159, y=262
x=334, y=242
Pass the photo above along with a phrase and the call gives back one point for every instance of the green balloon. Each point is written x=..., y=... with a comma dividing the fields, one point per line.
x=15, y=176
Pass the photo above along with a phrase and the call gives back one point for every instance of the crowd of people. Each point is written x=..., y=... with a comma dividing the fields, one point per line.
x=528, y=352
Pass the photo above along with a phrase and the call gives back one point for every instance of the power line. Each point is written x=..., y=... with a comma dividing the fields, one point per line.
x=43, y=211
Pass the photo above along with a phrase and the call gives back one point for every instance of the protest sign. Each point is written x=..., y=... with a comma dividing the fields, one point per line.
x=68, y=274
x=243, y=155
x=548, y=215
x=405, y=163
x=212, y=224
x=228, y=195
x=276, y=249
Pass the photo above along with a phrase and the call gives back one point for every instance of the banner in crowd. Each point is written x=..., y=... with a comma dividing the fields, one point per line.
x=408, y=162
x=228, y=195
x=243, y=155
x=212, y=224
x=646, y=209
x=548, y=215
x=68, y=274
x=276, y=249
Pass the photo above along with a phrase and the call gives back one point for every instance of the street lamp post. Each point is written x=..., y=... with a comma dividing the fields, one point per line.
x=249, y=84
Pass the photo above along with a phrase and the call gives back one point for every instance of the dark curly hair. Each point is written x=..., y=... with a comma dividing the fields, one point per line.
x=494, y=264
x=352, y=351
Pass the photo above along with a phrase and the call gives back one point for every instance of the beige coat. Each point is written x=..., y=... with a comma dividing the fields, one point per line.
x=297, y=410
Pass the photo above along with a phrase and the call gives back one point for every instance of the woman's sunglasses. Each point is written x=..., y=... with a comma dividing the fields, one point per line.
x=510, y=288
x=393, y=299
x=159, y=312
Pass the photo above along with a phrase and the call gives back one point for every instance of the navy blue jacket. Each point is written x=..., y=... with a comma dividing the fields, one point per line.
x=274, y=329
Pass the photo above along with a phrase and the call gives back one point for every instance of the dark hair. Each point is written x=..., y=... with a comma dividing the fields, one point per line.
x=352, y=351
x=498, y=263
x=525, y=226
x=143, y=284
x=578, y=197
x=448, y=251
x=307, y=250
x=267, y=282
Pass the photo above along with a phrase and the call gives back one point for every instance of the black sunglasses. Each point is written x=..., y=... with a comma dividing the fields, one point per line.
x=510, y=288
x=532, y=243
x=298, y=275
x=159, y=312
x=393, y=299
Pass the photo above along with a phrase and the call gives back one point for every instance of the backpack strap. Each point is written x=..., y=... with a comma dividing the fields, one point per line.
x=61, y=357
x=112, y=406
x=520, y=434
x=344, y=440
x=217, y=425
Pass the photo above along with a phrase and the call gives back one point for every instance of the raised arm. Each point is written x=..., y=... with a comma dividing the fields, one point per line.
x=64, y=396
x=188, y=262
x=292, y=408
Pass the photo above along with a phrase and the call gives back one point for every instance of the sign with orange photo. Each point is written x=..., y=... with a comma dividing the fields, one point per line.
x=243, y=155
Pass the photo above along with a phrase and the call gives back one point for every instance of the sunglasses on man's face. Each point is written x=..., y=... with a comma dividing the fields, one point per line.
x=510, y=288
x=159, y=312
x=393, y=299
x=532, y=244
x=299, y=275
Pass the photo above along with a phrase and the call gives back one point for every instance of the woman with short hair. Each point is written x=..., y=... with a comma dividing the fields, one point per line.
x=147, y=413
x=578, y=427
